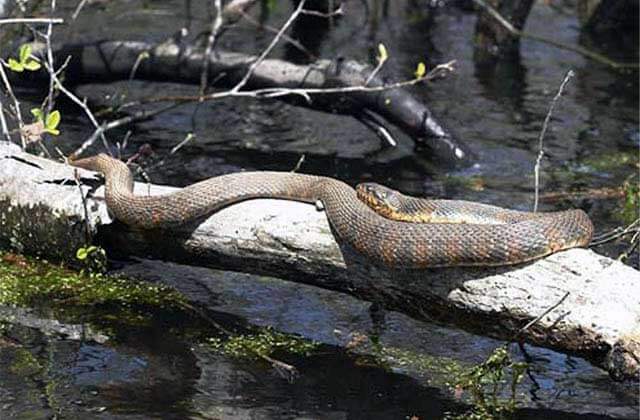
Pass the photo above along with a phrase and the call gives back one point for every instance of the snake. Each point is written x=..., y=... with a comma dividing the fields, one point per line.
x=476, y=235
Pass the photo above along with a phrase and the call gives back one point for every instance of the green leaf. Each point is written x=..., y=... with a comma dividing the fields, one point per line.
x=53, y=120
x=382, y=53
x=82, y=254
x=420, y=70
x=24, y=53
x=53, y=131
x=32, y=65
x=37, y=112
x=15, y=66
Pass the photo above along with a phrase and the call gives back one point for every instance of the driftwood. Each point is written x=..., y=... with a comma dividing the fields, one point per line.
x=41, y=212
x=108, y=61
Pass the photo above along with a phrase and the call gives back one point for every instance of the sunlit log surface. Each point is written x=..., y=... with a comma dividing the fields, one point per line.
x=41, y=212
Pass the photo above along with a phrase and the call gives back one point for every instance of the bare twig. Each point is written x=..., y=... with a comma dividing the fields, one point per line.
x=269, y=48
x=76, y=12
x=141, y=57
x=51, y=65
x=236, y=9
x=123, y=145
x=103, y=128
x=381, y=60
x=328, y=15
x=87, y=226
x=542, y=315
x=216, y=25
x=32, y=20
x=632, y=228
x=635, y=241
x=285, y=37
x=3, y=122
x=298, y=164
x=81, y=103
x=16, y=104
x=372, y=122
x=187, y=139
x=545, y=125
x=575, y=48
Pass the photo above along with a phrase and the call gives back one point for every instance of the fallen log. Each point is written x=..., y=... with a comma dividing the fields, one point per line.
x=108, y=61
x=598, y=307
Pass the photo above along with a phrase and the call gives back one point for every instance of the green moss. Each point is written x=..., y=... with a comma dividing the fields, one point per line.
x=38, y=230
x=487, y=383
x=24, y=363
x=630, y=209
x=27, y=281
x=490, y=387
x=607, y=162
x=263, y=343
x=440, y=370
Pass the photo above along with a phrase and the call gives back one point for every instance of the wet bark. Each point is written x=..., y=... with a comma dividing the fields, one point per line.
x=107, y=61
x=599, y=319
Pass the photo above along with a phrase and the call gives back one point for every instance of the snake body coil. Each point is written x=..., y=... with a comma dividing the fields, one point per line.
x=394, y=243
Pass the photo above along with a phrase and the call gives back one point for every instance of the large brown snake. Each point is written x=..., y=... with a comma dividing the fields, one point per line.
x=394, y=243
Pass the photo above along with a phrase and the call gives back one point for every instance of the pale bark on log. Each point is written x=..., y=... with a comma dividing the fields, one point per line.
x=599, y=320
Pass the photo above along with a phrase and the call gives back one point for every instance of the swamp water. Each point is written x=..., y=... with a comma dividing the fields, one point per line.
x=148, y=362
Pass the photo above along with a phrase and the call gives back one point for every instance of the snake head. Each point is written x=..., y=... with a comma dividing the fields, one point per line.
x=381, y=199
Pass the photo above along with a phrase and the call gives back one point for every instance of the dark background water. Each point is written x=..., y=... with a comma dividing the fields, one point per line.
x=497, y=111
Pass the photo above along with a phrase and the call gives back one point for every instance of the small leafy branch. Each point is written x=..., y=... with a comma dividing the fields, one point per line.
x=486, y=383
x=94, y=259
x=49, y=122
x=33, y=132
x=383, y=56
x=25, y=61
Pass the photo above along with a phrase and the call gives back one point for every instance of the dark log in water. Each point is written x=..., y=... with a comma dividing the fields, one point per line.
x=107, y=61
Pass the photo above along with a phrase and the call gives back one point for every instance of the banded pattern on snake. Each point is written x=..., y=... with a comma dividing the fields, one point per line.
x=394, y=243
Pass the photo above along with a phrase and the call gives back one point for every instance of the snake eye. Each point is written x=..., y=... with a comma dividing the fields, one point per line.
x=380, y=195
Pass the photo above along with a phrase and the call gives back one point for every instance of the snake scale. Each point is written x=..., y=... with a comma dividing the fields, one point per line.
x=500, y=237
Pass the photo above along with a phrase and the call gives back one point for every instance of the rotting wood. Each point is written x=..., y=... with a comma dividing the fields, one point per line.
x=600, y=319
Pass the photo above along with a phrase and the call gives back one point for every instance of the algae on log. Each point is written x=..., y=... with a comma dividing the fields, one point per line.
x=599, y=319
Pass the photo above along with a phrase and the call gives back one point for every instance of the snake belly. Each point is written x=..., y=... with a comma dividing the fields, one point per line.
x=395, y=243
